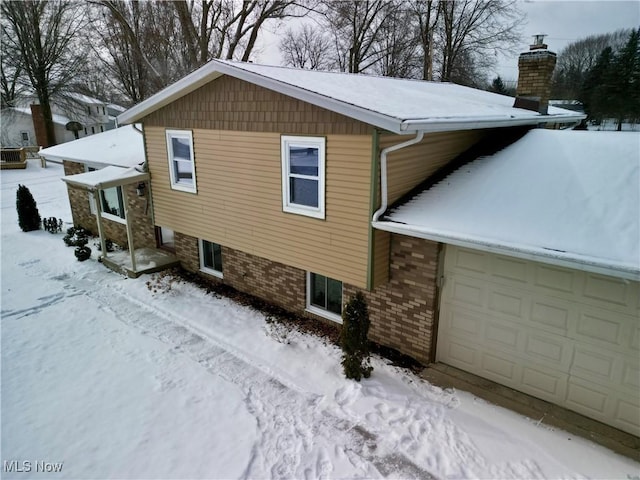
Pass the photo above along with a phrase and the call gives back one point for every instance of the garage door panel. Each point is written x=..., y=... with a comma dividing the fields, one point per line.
x=548, y=314
x=511, y=269
x=626, y=414
x=547, y=349
x=586, y=397
x=467, y=292
x=555, y=279
x=505, y=303
x=599, y=327
x=609, y=290
x=504, y=368
x=470, y=260
x=544, y=383
x=566, y=336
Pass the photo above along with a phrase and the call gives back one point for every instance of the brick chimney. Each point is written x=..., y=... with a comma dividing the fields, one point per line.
x=535, y=68
x=39, y=126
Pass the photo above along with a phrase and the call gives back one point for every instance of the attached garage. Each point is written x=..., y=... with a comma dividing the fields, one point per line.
x=563, y=335
x=539, y=280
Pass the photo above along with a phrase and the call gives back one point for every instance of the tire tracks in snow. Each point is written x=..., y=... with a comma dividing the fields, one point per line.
x=299, y=438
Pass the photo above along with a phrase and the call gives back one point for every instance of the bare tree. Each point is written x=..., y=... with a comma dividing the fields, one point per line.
x=356, y=29
x=148, y=45
x=426, y=16
x=398, y=49
x=43, y=33
x=472, y=32
x=306, y=48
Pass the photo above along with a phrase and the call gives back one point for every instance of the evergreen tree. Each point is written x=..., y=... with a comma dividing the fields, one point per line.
x=612, y=86
x=28, y=215
x=353, y=338
x=497, y=86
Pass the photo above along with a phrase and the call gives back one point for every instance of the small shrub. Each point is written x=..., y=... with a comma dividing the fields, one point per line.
x=162, y=282
x=108, y=243
x=82, y=253
x=277, y=330
x=52, y=224
x=28, y=215
x=76, y=237
x=353, y=339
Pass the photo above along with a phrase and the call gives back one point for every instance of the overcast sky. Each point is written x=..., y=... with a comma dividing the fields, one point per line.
x=563, y=22
x=567, y=21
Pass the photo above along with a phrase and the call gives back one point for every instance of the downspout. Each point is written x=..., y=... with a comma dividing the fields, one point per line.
x=384, y=194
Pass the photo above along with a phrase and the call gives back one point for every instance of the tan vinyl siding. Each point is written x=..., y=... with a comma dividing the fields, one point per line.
x=410, y=166
x=239, y=200
x=229, y=103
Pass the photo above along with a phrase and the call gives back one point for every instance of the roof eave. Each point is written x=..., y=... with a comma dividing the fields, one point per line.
x=140, y=177
x=443, y=125
x=554, y=258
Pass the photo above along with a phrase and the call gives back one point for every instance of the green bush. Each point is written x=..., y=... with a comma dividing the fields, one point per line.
x=76, y=237
x=28, y=215
x=353, y=339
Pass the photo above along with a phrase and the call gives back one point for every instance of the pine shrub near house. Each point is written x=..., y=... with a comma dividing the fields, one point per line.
x=28, y=215
x=353, y=338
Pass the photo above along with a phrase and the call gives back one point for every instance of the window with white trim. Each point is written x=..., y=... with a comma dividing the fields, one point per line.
x=111, y=201
x=210, y=258
x=181, y=160
x=303, y=162
x=324, y=296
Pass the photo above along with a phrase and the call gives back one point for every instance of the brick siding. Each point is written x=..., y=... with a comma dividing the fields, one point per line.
x=139, y=213
x=402, y=311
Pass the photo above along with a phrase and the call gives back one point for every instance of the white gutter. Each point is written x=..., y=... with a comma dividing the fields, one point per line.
x=568, y=260
x=384, y=194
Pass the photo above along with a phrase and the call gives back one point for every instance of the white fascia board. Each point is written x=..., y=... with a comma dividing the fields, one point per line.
x=182, y=87
x=215, y=69
x=444, y=125
x=128, y=180
x=577, y=262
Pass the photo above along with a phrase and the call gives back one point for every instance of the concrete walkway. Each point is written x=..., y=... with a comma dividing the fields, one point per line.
x=547, y=413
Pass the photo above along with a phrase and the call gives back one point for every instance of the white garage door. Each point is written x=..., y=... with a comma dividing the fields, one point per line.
x=566, y=336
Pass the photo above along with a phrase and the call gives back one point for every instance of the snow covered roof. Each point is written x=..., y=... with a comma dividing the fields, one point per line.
x=106, y=178
x=397, y=105
x=122, y=147
x=59, y=119
x=565, y=197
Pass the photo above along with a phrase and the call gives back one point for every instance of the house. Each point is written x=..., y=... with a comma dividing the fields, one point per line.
x=17, y=128
x=22, y=124
x=291, y=185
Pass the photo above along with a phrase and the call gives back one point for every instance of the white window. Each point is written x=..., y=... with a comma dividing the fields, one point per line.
x=111, y=201
x=24, y=137
x=181, y=162
x=303, y=161
x=324, y=296
x=210, y=258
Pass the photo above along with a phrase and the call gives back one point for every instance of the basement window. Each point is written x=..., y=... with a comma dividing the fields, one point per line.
x=303, y=161
x=181, y=160
x=210, y=258
x=324, y=296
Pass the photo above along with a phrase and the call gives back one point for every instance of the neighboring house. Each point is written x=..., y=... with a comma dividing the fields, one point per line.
x=22, y=124
x=17, y=129
x=278, y=183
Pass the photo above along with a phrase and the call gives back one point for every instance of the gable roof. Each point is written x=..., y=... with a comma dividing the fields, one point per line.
x=57, y=119
x=394, y=104
x=566, y=197
x=122, y=147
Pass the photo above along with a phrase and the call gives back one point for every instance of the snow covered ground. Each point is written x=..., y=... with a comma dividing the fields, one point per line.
x=112, y=380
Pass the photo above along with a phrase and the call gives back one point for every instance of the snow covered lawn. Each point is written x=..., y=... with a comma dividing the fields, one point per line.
x=113, y=380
